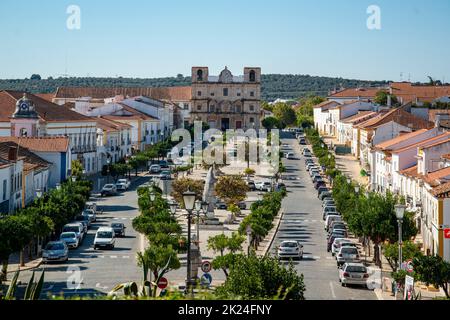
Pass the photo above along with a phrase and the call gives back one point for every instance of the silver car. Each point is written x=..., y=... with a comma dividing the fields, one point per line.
x=70, y=239
x=353, y=273
x=347, y=254
x=91, y=214
x=55, y=251
x=290, y=249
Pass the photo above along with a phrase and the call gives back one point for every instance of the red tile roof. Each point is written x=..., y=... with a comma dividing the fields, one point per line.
x=162, y=93
x=325, y=103
x=410, y=172
x=400, y=116
x=441, y=191
x=31, y=161
x=444, y=137
x=40, y=144
x=409, y=92
x=435, y=176
x=111, y=125
x=357, y=92
x=359, y=117
x=386, y=144
x=433, y=112
x=46, y=110
x=46, y=96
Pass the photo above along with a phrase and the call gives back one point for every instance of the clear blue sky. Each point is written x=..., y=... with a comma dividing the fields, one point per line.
x=149, y=38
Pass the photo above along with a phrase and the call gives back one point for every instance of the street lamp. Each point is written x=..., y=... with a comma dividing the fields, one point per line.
x=74, y=179
x=357, y=189
x=173, y=207
x=205, y=207
x=39, y=193
x=58, y=186
x=400, y=212
x=189, y=202
x=108, y=162
x=198, y=207
x=152, y=194
x=349, y=180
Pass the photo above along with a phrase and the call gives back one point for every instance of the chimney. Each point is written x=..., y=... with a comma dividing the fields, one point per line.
x=12, y=153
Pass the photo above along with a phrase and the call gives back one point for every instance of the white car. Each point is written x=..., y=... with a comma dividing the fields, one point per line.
x=290, y=249
x=155, y=168
x=91, y=214
x=307, y=154
x=330, y=218
x=70, y=239
x=125, y=182
x=263, y=185
x=353, y=273
x=290, y=156
x=105, y=238
x=347, y=254
x=336, y=246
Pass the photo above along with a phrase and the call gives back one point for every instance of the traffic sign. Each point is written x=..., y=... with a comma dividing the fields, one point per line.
x=162, y=283
x=447, y=233
x=206, y=279
x=206, y=266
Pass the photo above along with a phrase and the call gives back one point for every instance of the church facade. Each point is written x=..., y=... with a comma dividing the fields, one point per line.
x=226, y=101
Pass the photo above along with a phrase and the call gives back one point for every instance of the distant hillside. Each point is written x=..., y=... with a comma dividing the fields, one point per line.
x=273, y=85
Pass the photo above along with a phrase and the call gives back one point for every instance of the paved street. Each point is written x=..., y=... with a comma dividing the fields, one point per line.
x=99, y=270
x=303, y=221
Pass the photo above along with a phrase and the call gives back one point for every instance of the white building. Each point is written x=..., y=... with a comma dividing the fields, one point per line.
x=26, y=115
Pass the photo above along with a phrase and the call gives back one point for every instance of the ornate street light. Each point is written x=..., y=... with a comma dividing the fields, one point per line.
x=173, y=207
x=189, y=203
x=58, y=186
x=74, y=178
x=400, y=212
x=151, y=194
x=39, y=193
x=205, y=207
x=357, y=189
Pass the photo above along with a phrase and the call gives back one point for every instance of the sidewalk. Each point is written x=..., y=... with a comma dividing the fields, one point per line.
x=14, y=263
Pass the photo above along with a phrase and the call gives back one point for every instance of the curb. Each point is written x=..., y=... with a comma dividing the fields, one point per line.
x=378, y=293
x=280, y=217
x=26, y=268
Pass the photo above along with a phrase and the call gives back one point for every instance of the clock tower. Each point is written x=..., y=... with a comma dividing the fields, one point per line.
x=25, y=119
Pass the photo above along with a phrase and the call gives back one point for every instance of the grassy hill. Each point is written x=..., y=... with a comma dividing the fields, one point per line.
x=273, y=85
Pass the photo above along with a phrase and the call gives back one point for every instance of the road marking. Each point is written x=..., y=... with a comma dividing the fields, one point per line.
x=126, y=257
x=101, y=257
x=332, y=290
x=113, y=257
x=330, y=258
x=124, y=218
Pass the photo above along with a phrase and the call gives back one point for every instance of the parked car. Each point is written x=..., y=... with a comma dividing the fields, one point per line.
x=221, y=205
x=108, y=190
x=338, y=229
x=305, y=149
x=302, y=141
x=165, y=175
x=336, y=246
x=280, y=186
x=290, y=156
x=85, y=221
x=163, y=164
x=155, y=168
x=119, y=229
x=319, y=184
x=120, y=187
x=330, y=219
x=242, y=205
x=70, y=239
x=91, y=214
x=55, y=251
x=77, y=227
x=327, y=203
x=290, y=249
x=251, y=185
x=332, y=237
x=105, y=238
x=322, y=190
x=328, y=210
x=353, y=273
x=125, y=182
x=326, y=194
x=347, y=254
x=263, y=185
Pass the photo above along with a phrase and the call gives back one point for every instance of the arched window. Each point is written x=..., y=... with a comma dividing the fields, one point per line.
x=252, y=76
x=199, y=75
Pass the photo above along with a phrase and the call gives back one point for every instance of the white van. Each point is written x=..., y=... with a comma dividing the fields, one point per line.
x=330, y=218
x=105, y=238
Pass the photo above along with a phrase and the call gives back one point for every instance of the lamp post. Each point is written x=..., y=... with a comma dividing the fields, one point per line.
x=151, y=194
x=173, y=208
x=58, y=186
x=205, y=207
x=74, y=178
x=189, y=200
x=400, y=212
x=198, y=207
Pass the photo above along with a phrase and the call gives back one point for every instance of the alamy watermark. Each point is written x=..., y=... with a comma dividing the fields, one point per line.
x=374, y=19
x=73, y=21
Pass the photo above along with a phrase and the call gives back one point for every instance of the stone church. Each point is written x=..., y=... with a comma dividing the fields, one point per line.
x=226, y=101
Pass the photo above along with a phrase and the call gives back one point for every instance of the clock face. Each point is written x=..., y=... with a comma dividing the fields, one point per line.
x=24, y=106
